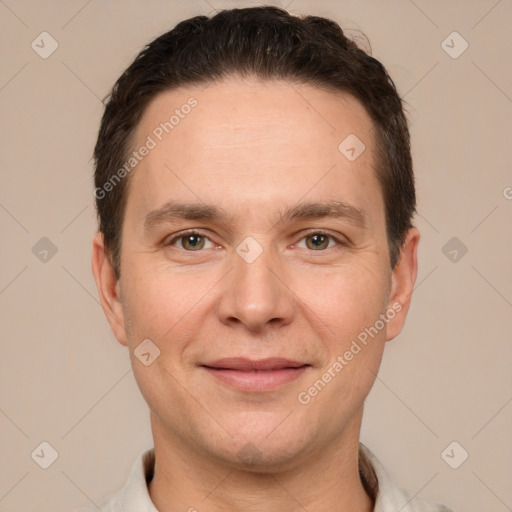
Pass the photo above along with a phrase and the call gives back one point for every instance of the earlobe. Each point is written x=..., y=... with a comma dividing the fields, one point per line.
x=402, y=284
x=109, y=289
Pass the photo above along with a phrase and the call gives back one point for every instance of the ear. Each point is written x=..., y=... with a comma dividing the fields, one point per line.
x=402, y=282
x=108, y=288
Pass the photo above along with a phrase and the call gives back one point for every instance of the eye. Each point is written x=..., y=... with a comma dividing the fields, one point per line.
x=319, y=241
x=194, y=241
x=190, y=241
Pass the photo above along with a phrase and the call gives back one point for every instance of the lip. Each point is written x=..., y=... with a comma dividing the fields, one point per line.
x=248, y=365
x=251, y=375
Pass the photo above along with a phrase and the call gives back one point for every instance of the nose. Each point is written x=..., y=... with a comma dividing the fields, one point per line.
x=256, y=294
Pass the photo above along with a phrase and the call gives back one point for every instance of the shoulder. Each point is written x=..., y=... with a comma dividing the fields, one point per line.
x=108, y=504
x=387, y=495
x=134, y=495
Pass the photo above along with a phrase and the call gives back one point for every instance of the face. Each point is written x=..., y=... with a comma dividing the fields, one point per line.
x=254, y=257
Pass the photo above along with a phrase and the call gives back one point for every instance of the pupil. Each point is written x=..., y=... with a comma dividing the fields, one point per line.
x=318, y=241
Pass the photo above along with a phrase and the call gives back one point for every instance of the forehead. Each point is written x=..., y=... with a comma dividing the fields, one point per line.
x=259, y=139
x=244, y=107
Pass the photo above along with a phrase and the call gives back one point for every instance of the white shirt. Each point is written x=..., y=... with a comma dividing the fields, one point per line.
x=134, y=496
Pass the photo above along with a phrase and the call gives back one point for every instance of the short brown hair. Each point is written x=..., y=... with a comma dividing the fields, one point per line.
x=271, y=44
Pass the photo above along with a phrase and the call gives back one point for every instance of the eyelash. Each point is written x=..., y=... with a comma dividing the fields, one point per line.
x=313, y=232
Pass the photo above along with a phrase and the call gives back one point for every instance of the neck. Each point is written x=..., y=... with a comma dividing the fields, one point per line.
x=186, y=479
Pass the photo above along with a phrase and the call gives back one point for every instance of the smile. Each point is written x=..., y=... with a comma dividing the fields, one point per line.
x=253, y=376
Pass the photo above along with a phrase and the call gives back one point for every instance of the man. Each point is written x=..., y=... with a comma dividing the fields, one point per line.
x=255, y=251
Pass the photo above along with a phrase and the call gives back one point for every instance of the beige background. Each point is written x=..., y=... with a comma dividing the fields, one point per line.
x=64, y=378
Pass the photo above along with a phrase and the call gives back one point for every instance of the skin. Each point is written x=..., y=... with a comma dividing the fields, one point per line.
x=253, y=149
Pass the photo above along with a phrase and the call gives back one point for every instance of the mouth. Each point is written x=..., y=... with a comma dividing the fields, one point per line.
x=255, y=375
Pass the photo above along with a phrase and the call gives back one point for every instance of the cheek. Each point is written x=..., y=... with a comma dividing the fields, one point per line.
x=346, y=299
x=162, y=310
x=162, y=302
x=350, y=303
x=167, y=307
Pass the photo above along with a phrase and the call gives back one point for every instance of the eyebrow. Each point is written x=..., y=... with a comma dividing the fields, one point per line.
x=303, y=211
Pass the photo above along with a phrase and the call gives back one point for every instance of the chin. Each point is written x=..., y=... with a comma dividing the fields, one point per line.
x=268, y=450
